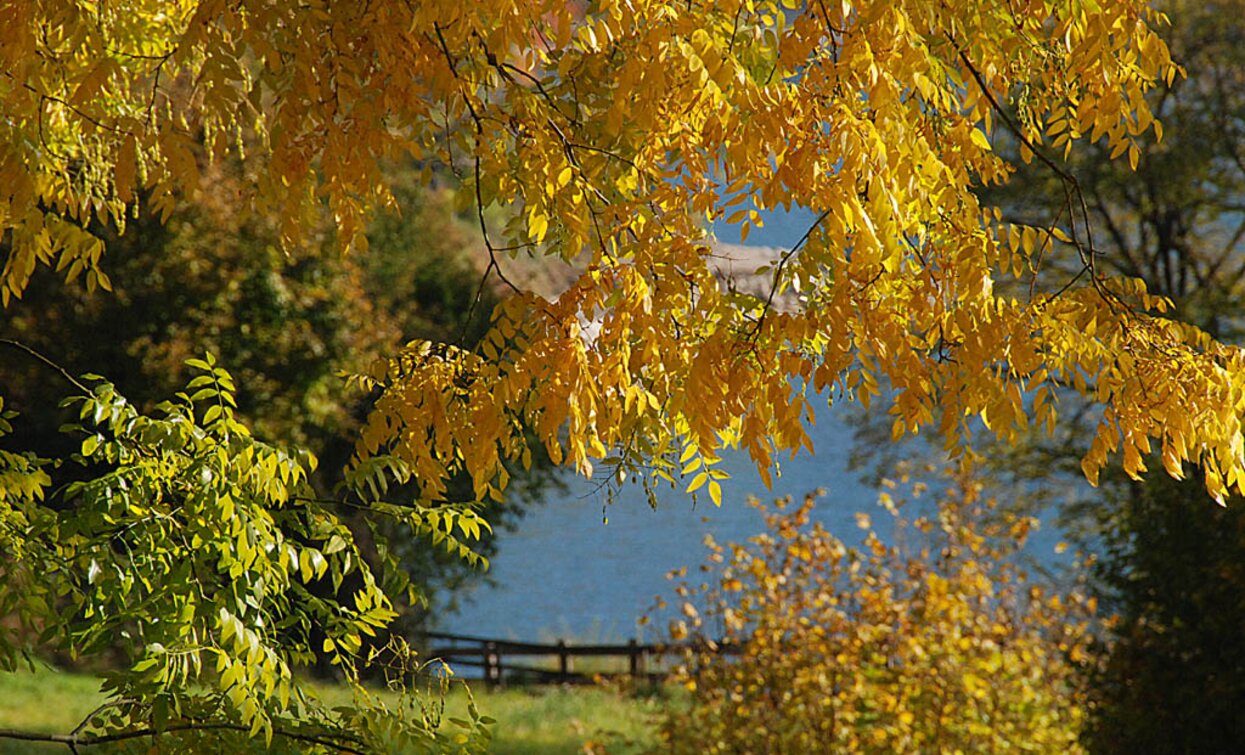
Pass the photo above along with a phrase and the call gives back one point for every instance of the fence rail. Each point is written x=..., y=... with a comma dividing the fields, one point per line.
x=490, y=655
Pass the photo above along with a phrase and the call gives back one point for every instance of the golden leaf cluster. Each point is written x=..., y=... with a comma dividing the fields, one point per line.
x=799, y=641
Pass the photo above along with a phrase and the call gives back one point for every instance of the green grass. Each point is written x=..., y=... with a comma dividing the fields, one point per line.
x=530, y=720
x=48, y=702
x=561, y=719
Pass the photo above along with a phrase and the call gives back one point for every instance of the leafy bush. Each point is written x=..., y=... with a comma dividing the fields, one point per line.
x=799, y=642
x=203, y=559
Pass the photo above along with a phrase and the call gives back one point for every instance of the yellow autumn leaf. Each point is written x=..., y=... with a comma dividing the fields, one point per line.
x=979, y=138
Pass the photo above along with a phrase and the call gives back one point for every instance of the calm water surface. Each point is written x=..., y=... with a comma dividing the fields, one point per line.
x=566, y=572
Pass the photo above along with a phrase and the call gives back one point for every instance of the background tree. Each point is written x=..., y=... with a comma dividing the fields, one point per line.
x=290, y=324
x=1173, y=677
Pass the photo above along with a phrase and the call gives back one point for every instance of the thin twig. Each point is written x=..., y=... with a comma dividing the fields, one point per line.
x=475, y=116
x=77, y=730
x=492, y=251
x=1072, y=185
x=46, y=361
x=65, y=103
x=475, y=302
x=782, y=263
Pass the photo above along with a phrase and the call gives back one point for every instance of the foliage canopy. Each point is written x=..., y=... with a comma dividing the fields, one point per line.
x=609, y=132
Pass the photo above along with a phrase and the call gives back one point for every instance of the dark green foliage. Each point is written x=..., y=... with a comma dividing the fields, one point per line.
x=1174, y=569
x=212, y=279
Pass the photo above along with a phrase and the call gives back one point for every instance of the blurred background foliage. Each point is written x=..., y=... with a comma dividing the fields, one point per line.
x=288, y=325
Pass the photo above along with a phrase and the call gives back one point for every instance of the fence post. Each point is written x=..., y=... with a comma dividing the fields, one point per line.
x=492, y=664
x=633, y=657
x=564, y=661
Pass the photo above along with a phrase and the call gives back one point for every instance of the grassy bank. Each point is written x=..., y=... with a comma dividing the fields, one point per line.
x=529, y=720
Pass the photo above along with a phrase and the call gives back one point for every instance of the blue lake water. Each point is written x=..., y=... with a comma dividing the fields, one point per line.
x=566, y=573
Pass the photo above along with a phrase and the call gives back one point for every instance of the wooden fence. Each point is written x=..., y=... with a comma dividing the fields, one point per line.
x=492, y=655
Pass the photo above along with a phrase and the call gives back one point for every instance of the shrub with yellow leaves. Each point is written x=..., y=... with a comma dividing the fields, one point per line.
x=929, y=637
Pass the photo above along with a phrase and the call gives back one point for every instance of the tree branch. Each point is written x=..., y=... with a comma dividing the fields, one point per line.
x=1072, y=187
x=782, y=263
x=47, y=362
x=73, y=740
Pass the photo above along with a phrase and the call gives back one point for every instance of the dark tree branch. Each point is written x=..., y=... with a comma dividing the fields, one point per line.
x=1132, y=266
x=46, y=362
x=72, y=741
x=782, y=263
x=1073, y=195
